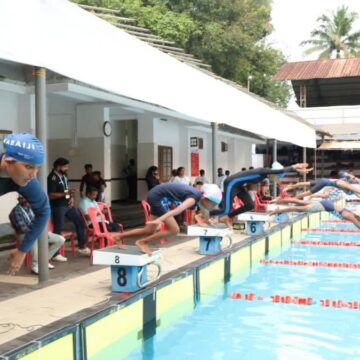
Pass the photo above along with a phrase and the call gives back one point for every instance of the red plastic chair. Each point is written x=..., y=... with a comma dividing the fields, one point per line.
x=237, y=203
x=106, y=210
x=17, y=244
x=99, y=235
x=88, y=229
x=258, y=205
x=188, y=216
x=103, y=206
x=146, y=208
x=67, y=235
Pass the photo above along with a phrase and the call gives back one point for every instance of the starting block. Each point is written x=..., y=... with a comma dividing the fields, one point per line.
x=210, y=238
x=128, y=266
x=279, y=218
x=256, y=222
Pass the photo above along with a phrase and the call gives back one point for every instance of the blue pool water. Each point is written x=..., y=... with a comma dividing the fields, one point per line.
x=227, y=328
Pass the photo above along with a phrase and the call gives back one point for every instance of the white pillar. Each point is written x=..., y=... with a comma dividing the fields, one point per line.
x=147, y=154
x=92, y=146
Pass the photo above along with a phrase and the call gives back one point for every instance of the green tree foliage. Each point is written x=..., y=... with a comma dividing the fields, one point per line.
x=230, y=35
x=334, y=35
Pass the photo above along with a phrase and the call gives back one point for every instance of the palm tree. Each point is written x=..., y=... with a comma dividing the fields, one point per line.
x=334, y=35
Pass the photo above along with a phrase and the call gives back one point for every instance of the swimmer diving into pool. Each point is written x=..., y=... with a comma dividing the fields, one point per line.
x=234, y=185
x=318, y=206
x=176, y=194
x=344, y=183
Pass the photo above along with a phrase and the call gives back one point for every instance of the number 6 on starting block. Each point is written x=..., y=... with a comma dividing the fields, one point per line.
x=255, y=222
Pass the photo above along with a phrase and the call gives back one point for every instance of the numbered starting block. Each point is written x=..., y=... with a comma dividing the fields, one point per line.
x=211, y=238
x=279, y=218
x=129, y=268
x=256, y=222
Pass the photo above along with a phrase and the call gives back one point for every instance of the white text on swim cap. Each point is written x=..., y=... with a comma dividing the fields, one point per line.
x=19, y=144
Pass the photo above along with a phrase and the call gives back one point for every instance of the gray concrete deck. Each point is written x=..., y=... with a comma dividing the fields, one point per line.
x=73, y=287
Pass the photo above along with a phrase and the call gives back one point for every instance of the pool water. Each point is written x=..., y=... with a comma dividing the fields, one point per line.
x=276, y=312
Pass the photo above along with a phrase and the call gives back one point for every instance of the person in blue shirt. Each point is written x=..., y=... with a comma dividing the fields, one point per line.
x=90, y=201
x=21, y=217
x=19, y=165
x=160, y=198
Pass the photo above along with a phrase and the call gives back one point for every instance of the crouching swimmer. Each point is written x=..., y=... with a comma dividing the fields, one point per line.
x=160, y=198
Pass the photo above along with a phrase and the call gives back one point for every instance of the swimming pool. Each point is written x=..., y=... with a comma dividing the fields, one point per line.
x=303, y=304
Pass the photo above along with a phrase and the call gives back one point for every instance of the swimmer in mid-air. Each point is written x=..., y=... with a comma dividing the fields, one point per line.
x=344, y=183
x=171, y=194
x=235, y=185
x=318, y=206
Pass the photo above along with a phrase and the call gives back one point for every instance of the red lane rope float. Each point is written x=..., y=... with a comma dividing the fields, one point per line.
x=326, y=243
x=297, y=300
x=353, y=231
x=336, y=221
x=310, y=263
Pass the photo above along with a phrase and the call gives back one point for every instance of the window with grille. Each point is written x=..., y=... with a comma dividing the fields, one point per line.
x=165, y=156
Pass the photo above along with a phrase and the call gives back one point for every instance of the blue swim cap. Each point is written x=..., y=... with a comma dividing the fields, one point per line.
x=277, y=166
x=24, y=147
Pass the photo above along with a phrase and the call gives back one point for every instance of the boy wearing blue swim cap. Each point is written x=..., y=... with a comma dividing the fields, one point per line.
x=19, y=165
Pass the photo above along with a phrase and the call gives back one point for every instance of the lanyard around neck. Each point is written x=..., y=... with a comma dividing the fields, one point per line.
x=63, y=180
x=26, y=215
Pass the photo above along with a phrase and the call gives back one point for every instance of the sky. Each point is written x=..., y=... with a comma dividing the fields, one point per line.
x=293, y=21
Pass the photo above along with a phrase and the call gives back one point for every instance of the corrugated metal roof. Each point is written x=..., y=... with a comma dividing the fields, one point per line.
x=319, y=69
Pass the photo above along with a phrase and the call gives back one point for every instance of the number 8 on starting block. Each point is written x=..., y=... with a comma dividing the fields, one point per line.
x=129, y=267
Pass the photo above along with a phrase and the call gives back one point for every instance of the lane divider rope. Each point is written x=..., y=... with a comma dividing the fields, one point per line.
x=310, y=263
x=326, y=243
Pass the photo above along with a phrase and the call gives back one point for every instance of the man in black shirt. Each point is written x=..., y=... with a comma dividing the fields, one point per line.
x=87, y=179
x=62, y=205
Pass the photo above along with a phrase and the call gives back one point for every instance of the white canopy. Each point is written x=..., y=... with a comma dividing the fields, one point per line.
x=64, y=38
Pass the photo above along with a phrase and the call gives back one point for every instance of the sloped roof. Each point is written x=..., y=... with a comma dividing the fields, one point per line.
x=319, y=69
x=72, y=42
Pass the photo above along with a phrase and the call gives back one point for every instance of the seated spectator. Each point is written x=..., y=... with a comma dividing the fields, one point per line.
x=100, y=184
x=227, y=173
x=22, y=217
x=152, y=177
x=89, y=201
x=87, y=179
x=201, y=178
x=264, y=192
x=243, y=169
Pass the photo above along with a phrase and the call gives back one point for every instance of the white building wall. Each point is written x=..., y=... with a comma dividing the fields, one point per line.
x=9, y=105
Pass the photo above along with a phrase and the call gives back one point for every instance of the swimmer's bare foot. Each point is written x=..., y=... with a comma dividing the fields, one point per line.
x=122, y=246
x=141, y=244
x=200, y=220
x=116, y=239
x=275, y=212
